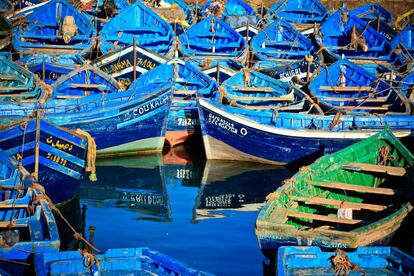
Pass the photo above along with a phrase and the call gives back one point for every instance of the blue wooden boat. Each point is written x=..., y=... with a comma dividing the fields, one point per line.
x=280, y=41
x=252, y=90
x=137, y=117
x=121, y=261
x=133, y=184
x=55, y=27
x=346, y=87
x=27, y=225
x=188, y=84
x=403, y=44
x=407, y=85
x=375, y=260
x=139, y=22
x=17, y=83
x=120, y=64
x=50, y=67
x=227, y=186
x=355, y=197
x=377, y=17
x=345, y=37
x=57, y=156
x=211, y=38
x=273, y=137
x=220, y=70
x=84, y=81
x=298, y=11
x=232, y=8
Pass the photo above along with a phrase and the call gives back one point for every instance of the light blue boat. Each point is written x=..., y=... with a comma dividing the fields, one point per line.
x=375, y=260
x=139, y=22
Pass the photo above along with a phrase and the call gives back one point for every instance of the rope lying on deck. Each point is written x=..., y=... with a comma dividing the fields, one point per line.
x=342, y=264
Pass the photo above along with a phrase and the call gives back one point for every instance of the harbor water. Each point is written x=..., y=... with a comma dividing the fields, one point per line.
x=200, y=212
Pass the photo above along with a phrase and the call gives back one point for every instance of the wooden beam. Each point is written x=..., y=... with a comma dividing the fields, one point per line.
x=346, y=88
x=354, y=166
x=383, y=107
x=88, y=85
x=11, y=205
x=13, y=88
x=340, y=204
x=355, y=188
x=253, y=89
x=8, y=77
x=322, y=218
x=366, y=100
x=288, y=97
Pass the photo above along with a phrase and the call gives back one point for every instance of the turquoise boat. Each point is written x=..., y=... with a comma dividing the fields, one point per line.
x=375, y=260
x=355, y=197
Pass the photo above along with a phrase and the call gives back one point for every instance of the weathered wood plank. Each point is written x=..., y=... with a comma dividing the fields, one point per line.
x=258, y=89
x=15, y=206
x=88, y=85
x=395, y=171
x=8, y=77
x=346, y=88
x=355, y=188
x=366, y=100
x=322, y=218
x=340, y=204
x=383, y=107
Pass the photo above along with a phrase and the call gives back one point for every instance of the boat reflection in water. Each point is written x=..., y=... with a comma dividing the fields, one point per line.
x=235, y=185
x=135, y=184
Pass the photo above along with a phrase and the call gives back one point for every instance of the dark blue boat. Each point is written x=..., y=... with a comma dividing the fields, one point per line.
x=122, y=261
x=57, y=156
x=296, y=260
x=137, y=118
x=17, y=83
x=132, y=184
x=377, y=17
x=354, y=37
x=50, y=67
x=139, y=22
x=211, y=38
x=54, y=27
x=280, y=41
x=84, y=81
x=188, y=84
x=347, y=87
x=120, y=64
x=284, y=137
x=298, y=11
x=403, y=44
x=220, y=70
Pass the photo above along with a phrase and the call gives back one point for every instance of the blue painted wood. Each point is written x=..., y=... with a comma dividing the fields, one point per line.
x=298, y=11
x=17, y=82
x=335, y=35
x=407, y=85
x=233, y=7
x=44, y=30
x=188, y=84
x=130, y=116
x=35, y=227
x=371, y=12
x=21, y=4
x=404, y=44
x=84, y=81
x=52, y=66
x=280, y=40
x=120, y=64
x=62, y=156
x=253, y=90
x=293, y=260
x=219, y=70
x=5, y=5
x=113, y=261
x=139, y=21
x=212, y=38
x=366, y=93
x=285, y=137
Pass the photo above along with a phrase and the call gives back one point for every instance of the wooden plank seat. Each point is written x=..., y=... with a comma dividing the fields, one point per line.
x=12, y=206
x=247, y=89
x=346, y=88
x=185, y=92
x=13, y=89
x=68, y=97
x=8, y=77
x=365, y=100
x=87, y=85
x=340, y=203
x=353, y=187
x=278, y=108
x=379, y=108
x=281, y=98
x=395, y=171
x=321, y=217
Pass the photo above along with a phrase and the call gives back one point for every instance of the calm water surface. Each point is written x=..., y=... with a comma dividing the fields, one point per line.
x=200, y=212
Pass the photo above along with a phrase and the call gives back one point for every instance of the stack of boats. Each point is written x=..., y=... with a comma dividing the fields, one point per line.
x=80, y=79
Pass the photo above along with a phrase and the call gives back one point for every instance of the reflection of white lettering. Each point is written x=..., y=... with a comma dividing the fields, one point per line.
x=219, y=201
x=226, y=125
x=153, y=200
x=184, y=174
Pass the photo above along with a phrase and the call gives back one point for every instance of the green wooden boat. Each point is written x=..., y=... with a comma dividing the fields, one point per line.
x=355, y=197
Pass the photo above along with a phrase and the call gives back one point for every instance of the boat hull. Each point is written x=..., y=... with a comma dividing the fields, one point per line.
x=183, y=124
